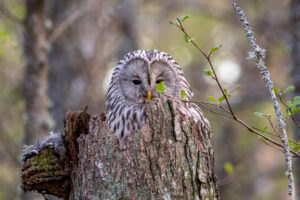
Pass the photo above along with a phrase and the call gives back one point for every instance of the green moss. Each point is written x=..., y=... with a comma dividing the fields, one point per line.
x=46, y=160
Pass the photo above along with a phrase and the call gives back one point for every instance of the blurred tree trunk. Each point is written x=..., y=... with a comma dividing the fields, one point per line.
x=81, y=55
x=295, y=18
x=171, y=157
x=36, y=75
x=35, y=81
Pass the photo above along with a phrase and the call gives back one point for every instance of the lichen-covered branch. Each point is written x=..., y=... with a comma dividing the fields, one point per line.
x=258, y=55
x=295, y=52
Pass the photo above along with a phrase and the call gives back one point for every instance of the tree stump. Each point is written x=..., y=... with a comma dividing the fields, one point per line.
x=171, y=157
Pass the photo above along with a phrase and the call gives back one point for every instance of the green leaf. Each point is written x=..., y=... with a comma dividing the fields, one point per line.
x=222, y=98
x=186, y=38
x=3, y=34
x=296, y=100
x=215, y=48
x=183, y=18
x=176, y=23
x=207, y=72
x=161, y=87
x=263, y=132
x=297, y=148
x=259, y=114
x=290, y=103
x=212, y=99
x=173, y=23
x=287, y=111
x=291, y=144
x=276, y=90
x=294, y=110
x=226, y=91
x=236, y=88
x=289, y=89
x=228, y=167
x=182, y=94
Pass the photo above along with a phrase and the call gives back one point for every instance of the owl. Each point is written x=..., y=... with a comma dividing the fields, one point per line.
x=134, y=82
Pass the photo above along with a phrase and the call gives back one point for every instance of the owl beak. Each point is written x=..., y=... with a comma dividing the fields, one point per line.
x=149, y=95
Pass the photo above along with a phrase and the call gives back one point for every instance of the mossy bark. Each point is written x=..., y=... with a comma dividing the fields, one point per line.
x=171, y=157
x=43, y=172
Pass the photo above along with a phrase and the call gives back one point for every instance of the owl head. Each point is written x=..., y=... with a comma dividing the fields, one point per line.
x=134, y=82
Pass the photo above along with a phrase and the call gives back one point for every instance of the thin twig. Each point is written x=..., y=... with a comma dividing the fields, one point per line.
x=269, y=133
x=290, y=110
x=6, y=12
x=63, y=26
x=273, y=127
x=230, y=111
x=259, y=55
x=250, y=128
x=66, y=24
x=180, y=26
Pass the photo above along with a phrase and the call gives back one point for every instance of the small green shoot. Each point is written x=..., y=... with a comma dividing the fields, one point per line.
x=289, y=89
x=187, y=39
x=208, y=73
x=182, y=94
x=259, y=114
x=215, y=48
x=228, y=167
x=161, y=87
x=212, y=99
x=181, y=19
x=276, y=90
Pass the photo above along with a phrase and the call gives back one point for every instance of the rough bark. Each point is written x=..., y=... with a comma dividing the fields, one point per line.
x=295, y=31
x=171, y=157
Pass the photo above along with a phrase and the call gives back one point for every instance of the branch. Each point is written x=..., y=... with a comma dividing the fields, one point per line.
x=65, y=24
x=249, y=127
x=180, y=26
x=230, y=111
x=6, y=12
x=259, y=57
x=292, y=115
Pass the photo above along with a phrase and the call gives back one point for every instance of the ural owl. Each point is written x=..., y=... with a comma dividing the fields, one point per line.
x=134, y=81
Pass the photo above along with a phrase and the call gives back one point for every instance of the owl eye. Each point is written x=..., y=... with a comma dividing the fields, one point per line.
x=136, y=82
x=158, y=81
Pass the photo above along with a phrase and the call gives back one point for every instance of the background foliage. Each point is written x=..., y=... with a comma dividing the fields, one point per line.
x=246, y=167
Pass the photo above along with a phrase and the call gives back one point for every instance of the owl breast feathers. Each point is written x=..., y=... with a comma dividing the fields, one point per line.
x=134, y=81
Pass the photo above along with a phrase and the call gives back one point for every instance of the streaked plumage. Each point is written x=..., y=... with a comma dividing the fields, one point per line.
x=136, y=74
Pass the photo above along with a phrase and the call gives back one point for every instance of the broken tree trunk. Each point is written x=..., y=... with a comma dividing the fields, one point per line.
x=171, y=157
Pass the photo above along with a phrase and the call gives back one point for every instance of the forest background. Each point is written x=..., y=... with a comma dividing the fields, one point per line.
x=84, y=41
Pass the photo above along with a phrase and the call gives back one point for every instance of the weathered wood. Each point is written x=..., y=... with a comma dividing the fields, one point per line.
x=43, y=172
x=171, y=157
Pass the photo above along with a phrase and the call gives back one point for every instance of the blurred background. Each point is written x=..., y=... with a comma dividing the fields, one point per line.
x=57, y=56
